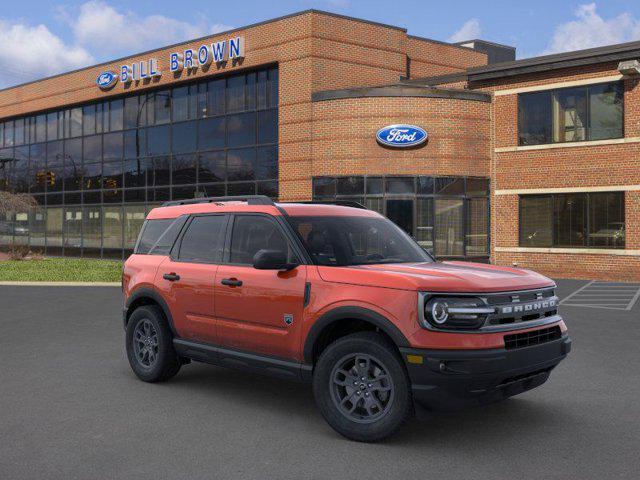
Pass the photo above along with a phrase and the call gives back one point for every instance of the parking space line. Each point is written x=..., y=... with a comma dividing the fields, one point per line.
x=598, y=294
x=634, y=300
x=576, y=292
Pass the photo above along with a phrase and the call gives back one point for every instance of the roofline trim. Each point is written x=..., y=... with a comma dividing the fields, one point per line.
x=400, y=91
x=556, y=61
x=551, y=86
x=496, y=44
x=440, y=42
x=225, y=32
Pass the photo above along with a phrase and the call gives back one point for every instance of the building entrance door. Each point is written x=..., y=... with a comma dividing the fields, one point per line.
x=400, y=212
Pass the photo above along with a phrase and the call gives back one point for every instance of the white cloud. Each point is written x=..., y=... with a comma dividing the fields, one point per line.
x=29, y=52
x=469, y=31
x=591, y=30
x=107, y=31
x=98, y=32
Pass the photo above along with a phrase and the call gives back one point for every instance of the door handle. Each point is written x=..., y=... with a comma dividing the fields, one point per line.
x=172, y=277
x=231, y=282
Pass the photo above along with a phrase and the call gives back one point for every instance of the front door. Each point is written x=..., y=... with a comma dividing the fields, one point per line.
x=259, y=310
x=400, y=212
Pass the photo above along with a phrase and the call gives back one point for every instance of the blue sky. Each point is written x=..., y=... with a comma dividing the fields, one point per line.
x=43, y=37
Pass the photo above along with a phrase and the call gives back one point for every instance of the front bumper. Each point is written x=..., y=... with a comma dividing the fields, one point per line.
x=452, y=379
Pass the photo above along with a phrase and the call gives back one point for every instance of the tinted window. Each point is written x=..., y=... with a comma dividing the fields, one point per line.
x=595, y=220
x=252, y=233
x=534, y=118
x=204, y=239
x=151, y=232
x=341, y=241
x=168, y=237
x=591, y=112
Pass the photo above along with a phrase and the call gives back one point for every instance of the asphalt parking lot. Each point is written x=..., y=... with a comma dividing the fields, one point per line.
x=70, y=408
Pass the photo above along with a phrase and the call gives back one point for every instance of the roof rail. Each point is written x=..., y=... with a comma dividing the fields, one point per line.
x=250, y=199
x=342, y=203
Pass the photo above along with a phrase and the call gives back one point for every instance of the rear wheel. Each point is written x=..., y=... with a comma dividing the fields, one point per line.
x=362, y=388
x=150, y=345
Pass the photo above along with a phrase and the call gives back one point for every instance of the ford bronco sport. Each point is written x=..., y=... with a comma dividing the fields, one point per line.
x=338, y=296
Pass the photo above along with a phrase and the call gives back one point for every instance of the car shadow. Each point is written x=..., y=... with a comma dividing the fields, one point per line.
x=287, y=399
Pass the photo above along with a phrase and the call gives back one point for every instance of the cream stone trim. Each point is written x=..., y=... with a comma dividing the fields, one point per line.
x=589, y=143
x=550, y=86
x=570, y=251
x=603, y=188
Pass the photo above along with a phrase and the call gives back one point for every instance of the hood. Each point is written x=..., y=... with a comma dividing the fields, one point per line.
x=438, y=277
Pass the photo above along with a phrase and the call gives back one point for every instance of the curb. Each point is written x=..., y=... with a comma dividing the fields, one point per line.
x=61, y=284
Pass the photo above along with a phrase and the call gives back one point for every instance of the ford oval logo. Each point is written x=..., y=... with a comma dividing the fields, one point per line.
x=106, y=80
x=401, y=136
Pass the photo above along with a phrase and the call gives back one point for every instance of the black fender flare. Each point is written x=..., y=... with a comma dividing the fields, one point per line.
x=144, y=292
x=356, y=313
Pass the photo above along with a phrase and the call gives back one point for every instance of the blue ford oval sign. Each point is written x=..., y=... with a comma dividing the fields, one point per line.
x=106, y=80
x=401, y=136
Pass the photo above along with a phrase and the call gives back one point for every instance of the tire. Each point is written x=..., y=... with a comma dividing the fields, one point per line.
x=384, y=403
x=152, y=359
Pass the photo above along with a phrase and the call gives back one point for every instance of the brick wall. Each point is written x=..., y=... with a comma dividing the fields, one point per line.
x=344, y=137
x=429, y=58
x=564, y=167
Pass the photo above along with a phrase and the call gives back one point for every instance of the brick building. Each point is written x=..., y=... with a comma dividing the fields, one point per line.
x=527, y=161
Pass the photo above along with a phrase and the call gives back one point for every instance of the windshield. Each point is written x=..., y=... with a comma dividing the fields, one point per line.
x=343, y=241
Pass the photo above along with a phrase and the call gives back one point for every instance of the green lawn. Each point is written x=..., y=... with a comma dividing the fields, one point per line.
x=61, y=270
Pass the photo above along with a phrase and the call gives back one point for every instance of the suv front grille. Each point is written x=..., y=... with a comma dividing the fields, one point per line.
x=519, y=307
x=535, y=337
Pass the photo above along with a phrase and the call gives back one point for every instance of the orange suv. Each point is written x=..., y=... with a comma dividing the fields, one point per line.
x=339, y=296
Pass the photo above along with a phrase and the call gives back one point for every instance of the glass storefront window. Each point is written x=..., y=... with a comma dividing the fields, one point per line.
x=449, y=227
x=134, y=216
x=400, y=185
x=576, y=220
x=424, y=222
x=591, y=112
x=477, y=240
x=87, y=163
x=424, y=207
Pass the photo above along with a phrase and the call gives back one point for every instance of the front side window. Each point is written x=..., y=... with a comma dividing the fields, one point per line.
x=252, y=233
x=591, y=112
x=346, y=241
x=576, y=220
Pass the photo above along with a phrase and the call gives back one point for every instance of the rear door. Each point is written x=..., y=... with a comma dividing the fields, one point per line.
x=187, y=278
x=259, y=310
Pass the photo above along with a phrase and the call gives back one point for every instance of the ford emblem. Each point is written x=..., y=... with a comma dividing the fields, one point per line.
x=106, y=80
x=401, y=136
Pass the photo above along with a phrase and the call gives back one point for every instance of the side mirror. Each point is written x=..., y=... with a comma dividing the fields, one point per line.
x=272, y=260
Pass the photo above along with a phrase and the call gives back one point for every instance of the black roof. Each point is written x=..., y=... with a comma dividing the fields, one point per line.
x=590, y=56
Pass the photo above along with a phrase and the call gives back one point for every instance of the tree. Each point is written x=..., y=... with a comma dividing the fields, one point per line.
x=16, y=202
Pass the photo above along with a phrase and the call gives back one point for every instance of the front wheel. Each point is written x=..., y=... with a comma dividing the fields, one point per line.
x=362, y=388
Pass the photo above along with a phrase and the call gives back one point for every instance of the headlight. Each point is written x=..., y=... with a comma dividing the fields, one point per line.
x=454, y=312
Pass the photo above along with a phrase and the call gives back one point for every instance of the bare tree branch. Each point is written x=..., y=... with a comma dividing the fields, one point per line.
x=16, y=202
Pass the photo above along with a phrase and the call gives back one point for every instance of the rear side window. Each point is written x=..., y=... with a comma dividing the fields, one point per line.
x=204, y=239
x=151, y=232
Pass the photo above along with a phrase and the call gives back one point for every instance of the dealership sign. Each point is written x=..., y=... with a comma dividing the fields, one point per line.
x=189, y=59
x=401, y=136
x=106, y=80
